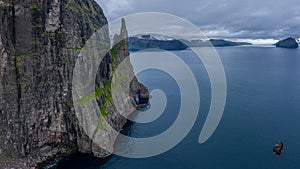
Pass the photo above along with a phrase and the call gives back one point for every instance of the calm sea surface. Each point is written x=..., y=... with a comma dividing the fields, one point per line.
x=263, y=107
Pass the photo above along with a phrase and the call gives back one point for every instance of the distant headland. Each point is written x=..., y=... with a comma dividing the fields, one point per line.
x=215, y=43
x=151, y=42
x=155, y=41
x=148, y=41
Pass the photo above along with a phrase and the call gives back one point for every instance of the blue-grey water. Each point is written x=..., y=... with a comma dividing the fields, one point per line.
x=263, y=107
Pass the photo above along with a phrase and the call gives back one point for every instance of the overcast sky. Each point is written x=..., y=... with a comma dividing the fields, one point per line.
x=253, y=19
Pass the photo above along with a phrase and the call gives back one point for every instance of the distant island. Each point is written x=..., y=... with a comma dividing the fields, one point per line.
x=142, y=42
x=215, y=43
x=147, y=42
x=287, y=43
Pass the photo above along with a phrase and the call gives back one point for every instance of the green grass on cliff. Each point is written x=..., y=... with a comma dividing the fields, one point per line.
x=103, y=92
x=101, y=125
x=107, y=100
x=3, y=5
x=97, y=93
x=85, y=10
x=114, y=52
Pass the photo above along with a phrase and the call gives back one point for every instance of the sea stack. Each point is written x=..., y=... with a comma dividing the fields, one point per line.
x=287, y=43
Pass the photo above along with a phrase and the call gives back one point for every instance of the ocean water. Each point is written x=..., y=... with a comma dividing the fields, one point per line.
x=262, y=108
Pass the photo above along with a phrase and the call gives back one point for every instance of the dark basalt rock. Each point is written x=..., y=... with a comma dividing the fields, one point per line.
x=287, y=43
x=39, y=45
x=277, y=149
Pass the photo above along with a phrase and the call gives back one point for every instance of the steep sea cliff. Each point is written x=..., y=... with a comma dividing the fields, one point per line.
x=39, y=45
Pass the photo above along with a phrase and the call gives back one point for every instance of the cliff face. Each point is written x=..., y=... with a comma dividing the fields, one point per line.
x=40, y=42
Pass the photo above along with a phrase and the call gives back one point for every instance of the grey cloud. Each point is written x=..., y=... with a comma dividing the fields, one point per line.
x=222, y=18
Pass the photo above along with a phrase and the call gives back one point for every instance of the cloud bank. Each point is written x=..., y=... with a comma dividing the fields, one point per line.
x=249, y=19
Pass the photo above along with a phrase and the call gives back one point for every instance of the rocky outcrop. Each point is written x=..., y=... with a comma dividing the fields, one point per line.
x=39, y=45
x=120, y=51
x=287, y=43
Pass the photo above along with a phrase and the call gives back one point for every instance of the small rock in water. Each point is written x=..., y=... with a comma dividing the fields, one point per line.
x=278, y=148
